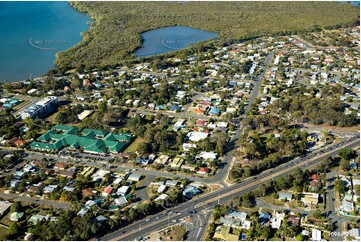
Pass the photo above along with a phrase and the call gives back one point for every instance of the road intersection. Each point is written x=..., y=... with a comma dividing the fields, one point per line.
x=223, y=195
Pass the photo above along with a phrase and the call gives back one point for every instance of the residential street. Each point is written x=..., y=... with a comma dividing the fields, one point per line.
x=332, y=214
x=222, y=195
x=39, y=201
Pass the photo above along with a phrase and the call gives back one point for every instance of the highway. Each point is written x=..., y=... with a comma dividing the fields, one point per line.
x=142, y=227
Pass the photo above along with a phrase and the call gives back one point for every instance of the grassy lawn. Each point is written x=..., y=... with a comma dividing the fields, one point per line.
x=134, y=146
x=249, y=210
x=152, y=191
x=270, y=199
x=265, y=135
x=211, y=188
x=176, y=233
x=190, y=124
x=24, y=103
x=52, y=118
x=3, y=233
x=6, y=219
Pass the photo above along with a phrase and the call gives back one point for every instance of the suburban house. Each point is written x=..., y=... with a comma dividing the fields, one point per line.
x=134, y=177
x=223, y=233
x=203, y=170
x=292, y=220
x=285, y=196
x=122, y=191
x=276, y=220
x=107, y=191
x=162, y=160
x=316, y=235
x=191, y=191
x=162, y=188
x=236, y=219
x=4, y=207
x=87, y=192
x=310, y=198
x=177, y=162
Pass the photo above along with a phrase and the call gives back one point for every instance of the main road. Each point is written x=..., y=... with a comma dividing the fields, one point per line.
x=155, y=222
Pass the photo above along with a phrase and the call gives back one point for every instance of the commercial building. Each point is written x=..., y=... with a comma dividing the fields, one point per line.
x=41, y=108
x=90, y=141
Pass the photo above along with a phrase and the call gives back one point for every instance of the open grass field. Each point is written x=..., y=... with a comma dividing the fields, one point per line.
x=177, y=233
x=3, y=233
x=134, y=146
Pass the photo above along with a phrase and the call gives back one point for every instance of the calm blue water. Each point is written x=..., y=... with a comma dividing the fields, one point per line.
x=169, y=39
x=31, y=33
x=353, y=3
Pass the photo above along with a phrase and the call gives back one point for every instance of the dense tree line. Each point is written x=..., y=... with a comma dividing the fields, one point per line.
x=327, y=110
x=267, y=151
x=115, y=34
x=7, y=128
x=69, y=114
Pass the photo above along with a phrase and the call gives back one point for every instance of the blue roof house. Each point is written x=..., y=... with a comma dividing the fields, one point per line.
x=191, y=191
x=160, y=107
x=264, y=217
x=175, y=108
x=214, y=111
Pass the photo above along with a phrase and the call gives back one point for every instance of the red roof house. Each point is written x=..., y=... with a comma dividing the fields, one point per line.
x=315, y=177
x=60, y=166
x=87, y=192
x=20, y=143
x=203, y=170
x=107, y=191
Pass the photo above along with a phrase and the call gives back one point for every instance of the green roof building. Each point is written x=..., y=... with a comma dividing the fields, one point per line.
x=92, y=140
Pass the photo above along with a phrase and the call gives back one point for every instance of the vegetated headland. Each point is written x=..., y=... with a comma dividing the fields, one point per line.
x=116, y=32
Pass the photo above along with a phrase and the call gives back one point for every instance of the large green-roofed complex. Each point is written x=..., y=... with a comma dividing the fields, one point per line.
x=90, y=141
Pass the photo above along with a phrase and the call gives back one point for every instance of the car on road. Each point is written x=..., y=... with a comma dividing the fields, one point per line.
x=157, y=218
x=174, y=220
x=193, y=211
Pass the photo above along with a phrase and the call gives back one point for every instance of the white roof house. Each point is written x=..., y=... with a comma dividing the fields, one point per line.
x=347, y=205
x=276, y=220
x=99, y=175
x=134, y=177
x=117, y=181
x=316, y=235
x=197, y=136
x=187, y=146
x=123, y=190
x=84, y=114
x=171, y=183
x=121, y=201
x=222, y=124
x=162, y=188
x=285, y=196
x=4, y=206
x=161, y=197
x=207, y=155
x=49, y=189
